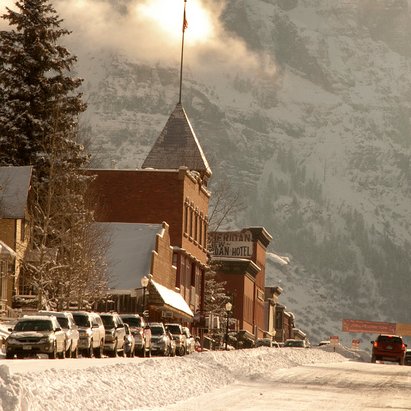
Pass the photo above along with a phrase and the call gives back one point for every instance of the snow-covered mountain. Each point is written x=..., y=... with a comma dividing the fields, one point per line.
x=304, y=106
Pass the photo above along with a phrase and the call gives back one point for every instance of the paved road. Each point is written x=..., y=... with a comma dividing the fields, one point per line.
x=341, y=386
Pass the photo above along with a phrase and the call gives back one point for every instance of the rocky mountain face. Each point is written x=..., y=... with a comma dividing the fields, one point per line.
x=317, y=138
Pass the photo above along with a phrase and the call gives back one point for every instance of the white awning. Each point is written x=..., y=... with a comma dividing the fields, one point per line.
x=6, y=251
x=173, y=299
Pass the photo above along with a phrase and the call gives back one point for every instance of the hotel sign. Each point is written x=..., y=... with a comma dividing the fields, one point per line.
x=236, y=244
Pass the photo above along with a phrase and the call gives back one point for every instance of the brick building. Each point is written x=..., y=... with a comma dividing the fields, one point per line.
x=239, y=258
x=14, y=231
x=142, y=248
x=171, y=187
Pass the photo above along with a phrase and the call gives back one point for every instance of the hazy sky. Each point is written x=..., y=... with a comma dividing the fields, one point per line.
x=150, y=31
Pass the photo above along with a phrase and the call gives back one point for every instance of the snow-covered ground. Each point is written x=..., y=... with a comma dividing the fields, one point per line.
x=145, y=383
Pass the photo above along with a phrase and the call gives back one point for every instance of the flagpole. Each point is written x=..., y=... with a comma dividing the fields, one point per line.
x=182, y=51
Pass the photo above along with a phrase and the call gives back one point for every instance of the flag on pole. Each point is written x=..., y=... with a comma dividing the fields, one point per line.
x=185, y=24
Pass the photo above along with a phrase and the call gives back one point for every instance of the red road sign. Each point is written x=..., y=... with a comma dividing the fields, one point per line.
x=334, y=339
x=371, y=327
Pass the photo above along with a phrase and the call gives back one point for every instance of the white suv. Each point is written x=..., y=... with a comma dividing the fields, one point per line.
x=92, y=333
x=66, y=321
x=176, y=331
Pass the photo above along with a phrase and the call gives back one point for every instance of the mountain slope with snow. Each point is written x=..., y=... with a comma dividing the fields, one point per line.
x=311, y=123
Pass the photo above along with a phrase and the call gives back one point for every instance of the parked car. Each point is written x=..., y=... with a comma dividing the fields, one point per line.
x=190, y=341
x=115, y=334
x=407, y=360
x=388, y=348
x=141, y=332
x=295, y=343
x=324, y=342
x=66, y=321
x=36, y=335
x=177, y=332
x=129, y=342
x=92, y=333
x=264, y=342
x=161, y=343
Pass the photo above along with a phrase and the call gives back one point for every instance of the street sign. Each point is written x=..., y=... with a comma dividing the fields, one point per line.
x=334, y=340
x=371, y=327
x=355, y=344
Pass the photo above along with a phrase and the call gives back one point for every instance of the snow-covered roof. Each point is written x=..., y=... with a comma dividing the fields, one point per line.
x=280, y=260
x=14, y=188
x=130, y=252
x=172, y=298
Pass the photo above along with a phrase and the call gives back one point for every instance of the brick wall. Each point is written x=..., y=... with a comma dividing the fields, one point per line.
x=163, y=271
x=150, y=196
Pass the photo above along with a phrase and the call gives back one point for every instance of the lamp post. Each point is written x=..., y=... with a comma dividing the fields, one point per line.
x=228, y=308
x=144, y=284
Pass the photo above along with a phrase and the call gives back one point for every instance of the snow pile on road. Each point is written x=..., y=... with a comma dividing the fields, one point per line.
x=138, y=383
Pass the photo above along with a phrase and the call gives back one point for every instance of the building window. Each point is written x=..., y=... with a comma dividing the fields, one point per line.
x=193, y=275
x=278, y=320
x=196, y=226
x=205, y=233
x=260, y=294
x=186, y=218
x=23, y=230
x=200, y=234
x=191, y=221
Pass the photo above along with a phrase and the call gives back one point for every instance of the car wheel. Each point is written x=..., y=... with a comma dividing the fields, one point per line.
x=113, y=354
x=20, y=356
x=10, y=355
x=62, y=355
x=142, y=352
x=98, y=352
x=68, y=350
x=182, y=352
x=53, y=354
x=74, y=354
x=89, y=351
x=373, y=359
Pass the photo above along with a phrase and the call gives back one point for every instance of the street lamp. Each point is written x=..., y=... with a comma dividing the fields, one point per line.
x=144, y=284
x=228, y=308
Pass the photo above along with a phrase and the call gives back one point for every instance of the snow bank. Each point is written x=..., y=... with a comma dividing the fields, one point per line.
x=138, y=383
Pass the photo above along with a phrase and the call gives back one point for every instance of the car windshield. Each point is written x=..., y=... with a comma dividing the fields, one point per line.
x=263, y=343
x=387, y=339
x=132, y=321
x=81, y=320
x=107, y=321
x=34, y=325
x=63, y=321
x=156, y=330
x=298, y=343
x=174, y=329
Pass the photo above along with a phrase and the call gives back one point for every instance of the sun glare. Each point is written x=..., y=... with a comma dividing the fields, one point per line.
x=168, y=15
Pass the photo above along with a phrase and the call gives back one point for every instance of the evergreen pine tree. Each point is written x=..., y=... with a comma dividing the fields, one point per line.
x=35, y=84
x=40, y=106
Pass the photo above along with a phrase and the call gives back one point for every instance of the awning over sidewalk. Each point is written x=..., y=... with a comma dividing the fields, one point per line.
x=172, y=301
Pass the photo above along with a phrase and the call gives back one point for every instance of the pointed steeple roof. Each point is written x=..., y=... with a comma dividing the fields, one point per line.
x=178, y=146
